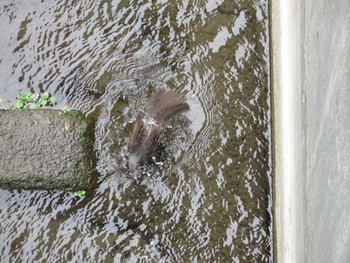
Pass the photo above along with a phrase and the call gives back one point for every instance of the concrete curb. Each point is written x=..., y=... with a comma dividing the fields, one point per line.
x=287, y=19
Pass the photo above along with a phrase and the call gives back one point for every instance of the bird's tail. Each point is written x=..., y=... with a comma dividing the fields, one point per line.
x=162, y=107
x=165, y=105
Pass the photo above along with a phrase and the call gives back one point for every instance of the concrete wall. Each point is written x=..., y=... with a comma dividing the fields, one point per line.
x=311, y=109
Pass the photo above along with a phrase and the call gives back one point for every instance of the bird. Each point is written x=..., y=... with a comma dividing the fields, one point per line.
x=163, y=106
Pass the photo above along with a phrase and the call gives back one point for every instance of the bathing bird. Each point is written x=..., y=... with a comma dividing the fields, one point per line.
x=148, y=128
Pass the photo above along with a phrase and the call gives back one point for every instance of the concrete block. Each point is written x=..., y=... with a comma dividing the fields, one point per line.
x=45, y=149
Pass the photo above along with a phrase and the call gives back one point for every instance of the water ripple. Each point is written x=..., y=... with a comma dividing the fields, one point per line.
x=209, y=198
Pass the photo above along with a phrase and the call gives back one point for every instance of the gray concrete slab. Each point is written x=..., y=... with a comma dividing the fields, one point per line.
x=327, y=84
x=311, y=85
x=45, y=149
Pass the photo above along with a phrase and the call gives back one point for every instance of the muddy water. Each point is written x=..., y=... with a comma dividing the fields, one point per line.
x=208, y=196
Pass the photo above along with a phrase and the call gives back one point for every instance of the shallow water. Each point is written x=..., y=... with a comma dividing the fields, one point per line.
x=209, y=198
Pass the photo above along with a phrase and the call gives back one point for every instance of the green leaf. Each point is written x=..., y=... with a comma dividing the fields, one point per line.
x=45, y=95
x=42, y=102
x=30, y=96
x=19, y=104
x=27, y=100
x=33, y=106
x=79, y=193
x=65, y=109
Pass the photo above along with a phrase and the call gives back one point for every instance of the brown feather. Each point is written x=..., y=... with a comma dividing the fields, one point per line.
x=162, y=107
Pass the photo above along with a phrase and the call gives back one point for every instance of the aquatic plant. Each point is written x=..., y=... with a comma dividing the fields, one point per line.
x=33, y=101
x=64, y=110
x=79, y=194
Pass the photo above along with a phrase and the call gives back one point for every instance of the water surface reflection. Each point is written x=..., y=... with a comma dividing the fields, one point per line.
x=210, y=200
